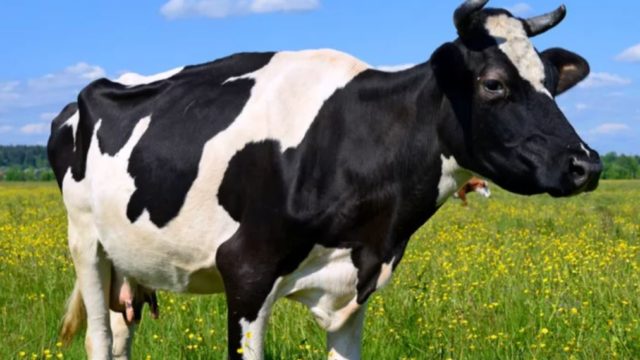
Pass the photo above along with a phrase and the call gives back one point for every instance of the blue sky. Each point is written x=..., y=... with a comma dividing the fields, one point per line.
x=52, y=48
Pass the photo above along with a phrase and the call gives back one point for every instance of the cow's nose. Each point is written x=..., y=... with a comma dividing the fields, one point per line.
x=585, y=173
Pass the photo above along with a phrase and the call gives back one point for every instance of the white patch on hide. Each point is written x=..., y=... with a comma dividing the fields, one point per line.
x=451, y=179
x=512, y=39
x=585, y=150
x=73, y=123
x=386, y=270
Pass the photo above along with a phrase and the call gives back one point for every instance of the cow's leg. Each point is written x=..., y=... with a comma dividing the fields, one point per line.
x=246, y=335
x=463, y=197
x=248, y=314
x=93, y=270
x=122, y=335
x=251, y=288
x=344, y=343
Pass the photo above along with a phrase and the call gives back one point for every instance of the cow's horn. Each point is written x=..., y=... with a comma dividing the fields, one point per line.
x=539, y=24
x=463, y=11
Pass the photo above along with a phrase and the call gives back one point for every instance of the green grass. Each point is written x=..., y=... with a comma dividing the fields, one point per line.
x=506, y=278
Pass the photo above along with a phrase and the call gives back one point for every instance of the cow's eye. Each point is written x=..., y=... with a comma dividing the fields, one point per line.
x=495, y=87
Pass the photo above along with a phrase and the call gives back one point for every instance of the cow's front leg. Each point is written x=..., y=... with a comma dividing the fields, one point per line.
x=344, y=343
x=251, y=289
x=246, y=331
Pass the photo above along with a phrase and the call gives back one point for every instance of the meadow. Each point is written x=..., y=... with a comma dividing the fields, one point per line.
x=508, y=277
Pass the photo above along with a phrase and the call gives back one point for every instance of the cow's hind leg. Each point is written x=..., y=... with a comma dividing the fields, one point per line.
x=122, y=336
x=344, y=343
x=93, y=271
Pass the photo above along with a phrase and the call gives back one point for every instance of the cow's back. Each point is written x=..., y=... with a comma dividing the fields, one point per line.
x=149, y=159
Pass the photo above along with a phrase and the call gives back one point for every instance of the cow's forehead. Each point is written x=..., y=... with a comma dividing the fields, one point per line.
x=512, y=40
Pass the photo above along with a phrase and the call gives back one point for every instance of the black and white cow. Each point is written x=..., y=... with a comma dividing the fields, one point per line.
x=299, y=174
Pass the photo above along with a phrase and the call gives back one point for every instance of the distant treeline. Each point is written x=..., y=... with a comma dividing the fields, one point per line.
x=621, y=166
x=29, y=163
x=24, y=163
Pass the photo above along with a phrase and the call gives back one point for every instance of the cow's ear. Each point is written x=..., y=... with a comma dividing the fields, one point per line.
x=449, y=68
x=571, y=68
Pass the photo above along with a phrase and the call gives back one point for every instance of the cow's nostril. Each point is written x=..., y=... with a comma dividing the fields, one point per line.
x=579, y=172
x=577, y=168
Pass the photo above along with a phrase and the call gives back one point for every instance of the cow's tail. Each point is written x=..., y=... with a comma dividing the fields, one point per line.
x=75, y=317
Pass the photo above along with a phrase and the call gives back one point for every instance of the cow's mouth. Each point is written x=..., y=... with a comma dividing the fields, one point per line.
x=582, y=176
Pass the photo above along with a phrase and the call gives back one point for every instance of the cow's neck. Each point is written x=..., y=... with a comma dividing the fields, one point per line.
x=430, y=159
x=382, y=160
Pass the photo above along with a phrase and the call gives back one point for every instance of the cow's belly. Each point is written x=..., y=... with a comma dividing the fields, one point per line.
x=179, y=256
x=169, y=259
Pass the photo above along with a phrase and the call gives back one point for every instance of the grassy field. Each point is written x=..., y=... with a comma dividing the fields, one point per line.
x=506, y=278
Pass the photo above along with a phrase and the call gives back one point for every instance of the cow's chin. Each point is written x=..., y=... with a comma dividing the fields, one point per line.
x=532, y=178
x=571, y=190
x=533, y=188
x=521, y=187
x=561, y=185
x=535, y=183
x=520, y=178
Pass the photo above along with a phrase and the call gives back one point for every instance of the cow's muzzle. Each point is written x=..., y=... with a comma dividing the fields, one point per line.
x=585, y=173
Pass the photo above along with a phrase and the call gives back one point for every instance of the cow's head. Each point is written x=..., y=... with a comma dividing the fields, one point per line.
x=507, y=125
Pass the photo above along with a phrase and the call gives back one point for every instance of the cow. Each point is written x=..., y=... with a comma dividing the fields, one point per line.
x=300, y=174
x=474, y=184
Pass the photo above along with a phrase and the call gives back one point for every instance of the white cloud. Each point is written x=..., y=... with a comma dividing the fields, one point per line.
x=5, y=129
x=35, y=129
x=8, y=86
x=603, y=79
x=8, y=91
x=75, y=75
x=610, y=129
x=262, y=6
x=174, y=9
x=631, y=54
x=56, y=88
x=394, y=68
x=520, y=9
x=48, y=116
x=581, y=106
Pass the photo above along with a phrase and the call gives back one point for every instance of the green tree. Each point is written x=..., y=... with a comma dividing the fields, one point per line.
x=14, y=173
x=620, y=166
